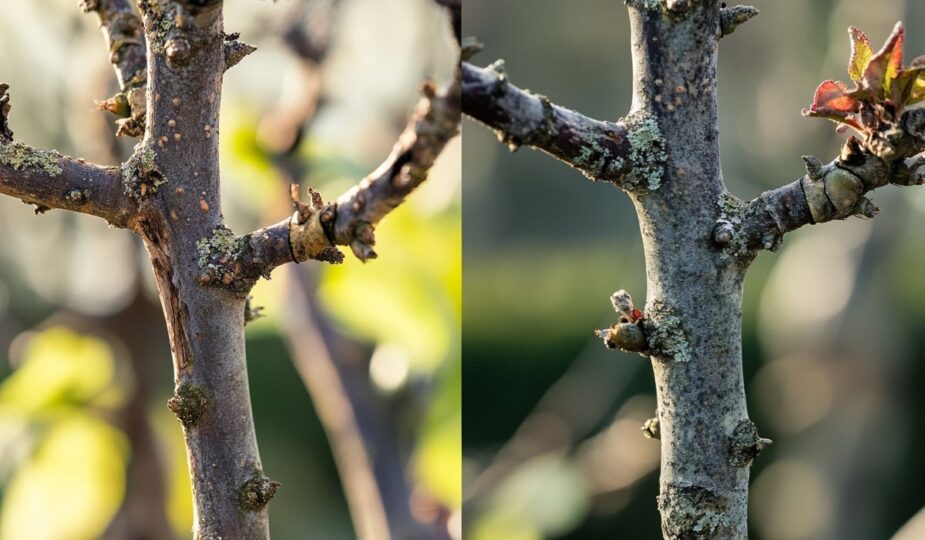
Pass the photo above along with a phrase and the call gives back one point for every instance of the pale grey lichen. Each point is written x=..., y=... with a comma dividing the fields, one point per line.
x=140, y=175
x=731, y=211
x=223, y=244
x=22, y=156
x=694, y=512
x=647, y=151
x=665, y=333
x=594, y=161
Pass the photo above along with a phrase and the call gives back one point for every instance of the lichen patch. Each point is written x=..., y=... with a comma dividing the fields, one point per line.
x=21, y=156
x=647, y=151
x=665, y=333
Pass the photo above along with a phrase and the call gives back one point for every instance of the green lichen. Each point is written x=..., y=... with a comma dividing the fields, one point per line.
x=593, y=159
x=257, y=492
x=221, y=259
x=730, y=218
x=221, y=245
x=22, y=156
x=188, y=403
x=647, y=151
x=140, y=175
x=665, y=333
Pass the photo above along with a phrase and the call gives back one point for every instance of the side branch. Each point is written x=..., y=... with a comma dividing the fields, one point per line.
x=828, y=192
x=124, y=34
x=314, y=229
x=48, y=179
x=600, y=150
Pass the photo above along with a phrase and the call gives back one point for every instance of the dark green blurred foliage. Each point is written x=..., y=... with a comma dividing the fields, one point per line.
x=831, y=323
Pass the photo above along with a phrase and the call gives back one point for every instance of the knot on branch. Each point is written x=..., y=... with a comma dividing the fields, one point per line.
x=140, y=174
x=628, y=333
x=310, y=229
x=651, y=429
x=694, y=512
x=235, y=50
x=224, y=260
x=657, y=332
x=731, y=17
x=257, y=492
x=745, y=444
x=836, y=190
x=130, y=107
x=188, y=403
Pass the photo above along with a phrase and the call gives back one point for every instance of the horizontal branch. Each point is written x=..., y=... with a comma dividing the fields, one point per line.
x=314, y=229
x=48, y=179
x=600, y=150
x=826, y=192
x=124, y=34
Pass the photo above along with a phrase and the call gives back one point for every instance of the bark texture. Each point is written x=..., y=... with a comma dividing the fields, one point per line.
x=699, y=240
x=701, y=395
x=169, y=58
x=178, y=162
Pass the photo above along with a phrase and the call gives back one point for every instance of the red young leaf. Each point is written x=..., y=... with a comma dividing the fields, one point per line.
x=833, y=98
x=885, y=65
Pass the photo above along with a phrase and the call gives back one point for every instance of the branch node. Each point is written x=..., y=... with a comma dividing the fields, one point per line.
x=628, y=333
x=189, y=402
x=745, y=444
x=731, y=17
x=257, y=492
x=651, y=429
x=814, y=167
x=178, y=51
x=310, y=229
x=235, y=51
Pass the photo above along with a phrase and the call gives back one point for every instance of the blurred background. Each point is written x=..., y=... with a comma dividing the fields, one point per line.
x=342, y=355
x=833, y=340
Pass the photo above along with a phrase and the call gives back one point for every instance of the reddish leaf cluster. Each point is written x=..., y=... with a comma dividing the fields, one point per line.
x=883, y=87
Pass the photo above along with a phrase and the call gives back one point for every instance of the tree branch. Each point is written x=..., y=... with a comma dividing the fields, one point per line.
x=313, y=230
x=826, y=192
x=124, y=34
x=600, y=150
x=48, y=179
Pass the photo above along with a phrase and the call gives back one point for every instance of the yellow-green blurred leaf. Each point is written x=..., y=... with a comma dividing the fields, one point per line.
x=71, y=487
x=179, y=490
x=500, y=526
x=61, y=368
x=411, y=295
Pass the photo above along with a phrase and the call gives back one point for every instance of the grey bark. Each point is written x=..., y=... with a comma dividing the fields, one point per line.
x=699, y=240
x=168, y=193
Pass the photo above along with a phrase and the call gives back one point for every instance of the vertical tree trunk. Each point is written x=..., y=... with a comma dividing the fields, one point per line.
x=179, y=208
x=691, y=286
